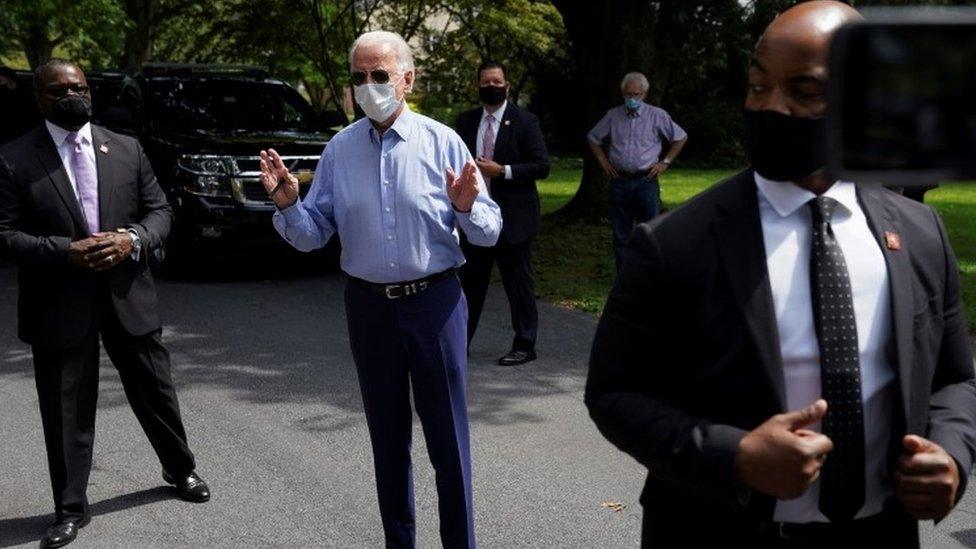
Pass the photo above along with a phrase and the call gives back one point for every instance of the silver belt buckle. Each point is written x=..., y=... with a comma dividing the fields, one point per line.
x=389, y=291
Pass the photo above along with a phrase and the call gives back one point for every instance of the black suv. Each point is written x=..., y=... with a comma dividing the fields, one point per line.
x=202, y=127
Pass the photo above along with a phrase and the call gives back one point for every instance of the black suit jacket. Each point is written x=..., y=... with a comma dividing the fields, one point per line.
x=686, y=358
x=40, y=216
x=518, y=143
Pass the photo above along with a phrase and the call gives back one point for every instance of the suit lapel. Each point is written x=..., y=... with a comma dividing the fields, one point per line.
x=47, y=155
x=106, y=183
x=469, y=131
x=882, y=216
x=740, y=242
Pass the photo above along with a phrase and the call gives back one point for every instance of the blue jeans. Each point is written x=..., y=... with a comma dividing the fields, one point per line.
x=632, y=201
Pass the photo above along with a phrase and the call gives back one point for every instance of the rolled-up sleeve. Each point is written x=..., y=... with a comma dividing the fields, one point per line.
x=671, y=130
x=601, y=130
x=309, y=223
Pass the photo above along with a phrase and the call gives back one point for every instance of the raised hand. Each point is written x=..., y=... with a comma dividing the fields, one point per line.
x=781, y=458
x=463, y=190
x=926, y=479
x=279, y=183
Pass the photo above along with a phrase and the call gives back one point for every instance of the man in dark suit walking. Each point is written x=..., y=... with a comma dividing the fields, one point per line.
x=508, y=147
x=787, y=353
x=80, y=212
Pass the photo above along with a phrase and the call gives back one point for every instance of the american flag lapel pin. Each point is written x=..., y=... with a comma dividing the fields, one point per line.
x=103, y=148
x=892, y=241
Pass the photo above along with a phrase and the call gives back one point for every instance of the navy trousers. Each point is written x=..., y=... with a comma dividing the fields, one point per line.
x=632, y=201
x=418, y=341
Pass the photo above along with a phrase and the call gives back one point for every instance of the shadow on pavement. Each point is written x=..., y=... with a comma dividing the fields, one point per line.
x=21, y=530
x=277, y=334
x=966, y=537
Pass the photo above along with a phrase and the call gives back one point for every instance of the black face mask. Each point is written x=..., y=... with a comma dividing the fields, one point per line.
x=492, y=95
x=71, y=112
x=784, y=148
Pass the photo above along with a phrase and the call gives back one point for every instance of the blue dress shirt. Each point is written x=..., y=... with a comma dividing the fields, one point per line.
x=635, y=136
x=386, y=196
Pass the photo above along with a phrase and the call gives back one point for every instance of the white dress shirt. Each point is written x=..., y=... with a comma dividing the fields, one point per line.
x=787, y=234
x=66, y=149
x=496, y=125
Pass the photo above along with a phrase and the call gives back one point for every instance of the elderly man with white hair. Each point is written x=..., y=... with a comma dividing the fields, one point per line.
x=396, y=186
x=636, y=131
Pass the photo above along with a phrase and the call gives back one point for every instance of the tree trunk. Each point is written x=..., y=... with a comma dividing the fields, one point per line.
x=608, y=40
x=38, y=46
x=138, y=36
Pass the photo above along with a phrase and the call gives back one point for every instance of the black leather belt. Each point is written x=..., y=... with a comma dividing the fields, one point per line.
x=633, y=175
x=816, y=531
x=396, y=290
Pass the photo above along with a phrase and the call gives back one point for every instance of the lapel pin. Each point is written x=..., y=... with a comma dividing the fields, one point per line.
x=104, y=149
x=892, y=241
x=508, y=122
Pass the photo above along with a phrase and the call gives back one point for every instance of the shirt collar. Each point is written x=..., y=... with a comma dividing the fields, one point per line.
x=402, y=126
x=786, y=197
x=497, y=115
x=640, y=109
x=60, y=135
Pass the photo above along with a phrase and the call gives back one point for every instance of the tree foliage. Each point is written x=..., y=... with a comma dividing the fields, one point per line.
x=86, y=30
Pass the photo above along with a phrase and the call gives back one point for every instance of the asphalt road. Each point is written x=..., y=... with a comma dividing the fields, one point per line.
x=272, y=407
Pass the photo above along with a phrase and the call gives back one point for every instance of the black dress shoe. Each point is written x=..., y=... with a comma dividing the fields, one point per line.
x=189, y=488
x=62, y=532
x=515, y=357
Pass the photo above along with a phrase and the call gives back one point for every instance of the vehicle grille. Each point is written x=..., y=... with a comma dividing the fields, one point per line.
x=246, y=181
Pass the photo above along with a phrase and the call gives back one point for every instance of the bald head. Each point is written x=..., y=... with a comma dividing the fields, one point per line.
x=812, y=22
x=789, y=67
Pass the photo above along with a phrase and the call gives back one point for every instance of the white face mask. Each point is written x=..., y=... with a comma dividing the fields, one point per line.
x=378, y=101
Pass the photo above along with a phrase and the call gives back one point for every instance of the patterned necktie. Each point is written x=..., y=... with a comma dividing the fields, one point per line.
x=488, y=139
x=86, y=181
x=842, y=476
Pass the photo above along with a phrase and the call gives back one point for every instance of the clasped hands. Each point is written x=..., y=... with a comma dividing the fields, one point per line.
x=100, y=251
x=782, y=458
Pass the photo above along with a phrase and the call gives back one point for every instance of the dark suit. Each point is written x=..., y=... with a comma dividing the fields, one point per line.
x=519, y=144
x=686, y=358
x=63, y=309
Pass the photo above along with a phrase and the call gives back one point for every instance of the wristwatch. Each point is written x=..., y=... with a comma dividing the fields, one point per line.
x=136, y=241
x=666, y=162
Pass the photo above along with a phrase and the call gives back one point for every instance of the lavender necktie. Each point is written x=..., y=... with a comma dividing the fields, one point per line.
x=488, y=138
x=86, y=181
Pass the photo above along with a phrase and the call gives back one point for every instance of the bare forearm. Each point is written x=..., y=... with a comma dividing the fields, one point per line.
x=598, y=153
x=675, y=150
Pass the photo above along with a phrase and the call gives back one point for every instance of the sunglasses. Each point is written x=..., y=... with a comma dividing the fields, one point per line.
x=61, y=90
x=377, y=76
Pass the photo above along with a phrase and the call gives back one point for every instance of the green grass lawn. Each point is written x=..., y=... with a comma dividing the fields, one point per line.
x=574, y=263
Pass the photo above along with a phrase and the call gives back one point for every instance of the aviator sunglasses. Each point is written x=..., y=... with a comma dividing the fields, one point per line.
x=377, y=76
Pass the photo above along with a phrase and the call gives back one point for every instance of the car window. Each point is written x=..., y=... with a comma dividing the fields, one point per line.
x=225, y=105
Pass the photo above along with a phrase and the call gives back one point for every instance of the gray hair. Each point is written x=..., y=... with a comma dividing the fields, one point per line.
x=395, y=41
x=635, y=77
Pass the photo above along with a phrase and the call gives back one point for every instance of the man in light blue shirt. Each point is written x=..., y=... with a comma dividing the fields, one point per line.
x=389, y=185
x=636, y=131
